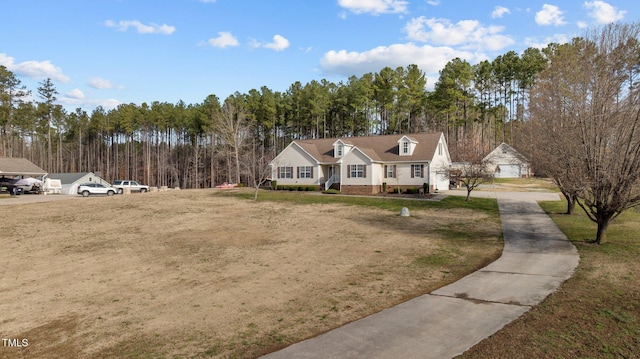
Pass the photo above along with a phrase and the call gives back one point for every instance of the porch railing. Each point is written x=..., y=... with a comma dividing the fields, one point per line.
x=333, y=179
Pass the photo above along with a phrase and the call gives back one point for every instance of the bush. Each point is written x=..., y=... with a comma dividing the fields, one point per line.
x=412, y=191
x=283, y=187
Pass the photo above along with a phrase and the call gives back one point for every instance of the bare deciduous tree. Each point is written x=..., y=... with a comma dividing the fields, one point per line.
x=472, y=170
x=232, y=129
x=255, y=165
x=586, y=108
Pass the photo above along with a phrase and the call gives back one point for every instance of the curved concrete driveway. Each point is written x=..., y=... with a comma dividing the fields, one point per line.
x=536, y=259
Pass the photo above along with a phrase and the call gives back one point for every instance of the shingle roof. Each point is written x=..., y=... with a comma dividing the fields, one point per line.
x=378, y=148
x=68, y=178
x=11, y=166
x=503, y=147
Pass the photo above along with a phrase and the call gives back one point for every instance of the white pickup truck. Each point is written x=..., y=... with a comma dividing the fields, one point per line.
x=132, y=185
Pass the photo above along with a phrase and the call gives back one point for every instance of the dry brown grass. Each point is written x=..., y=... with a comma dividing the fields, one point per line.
x=194, y=274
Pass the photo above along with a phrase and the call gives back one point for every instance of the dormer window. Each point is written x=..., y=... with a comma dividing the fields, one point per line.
x=406, y=145
x=340, y=149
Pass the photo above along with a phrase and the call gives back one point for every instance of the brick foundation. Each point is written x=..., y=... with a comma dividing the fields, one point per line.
x=367, y=190
x=361, y=190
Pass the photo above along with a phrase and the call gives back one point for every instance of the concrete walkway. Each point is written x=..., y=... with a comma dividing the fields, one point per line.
x=536, y=259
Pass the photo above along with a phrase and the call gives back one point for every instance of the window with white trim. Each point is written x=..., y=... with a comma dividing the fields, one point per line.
x=305, y=172
x=405, y=147
x=285, y=172
x=357, y=171
x=417, y=171
x=390, y=171
x=340, y=150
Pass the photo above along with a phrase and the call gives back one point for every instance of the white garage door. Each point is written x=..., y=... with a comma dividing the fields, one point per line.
x=508, y=171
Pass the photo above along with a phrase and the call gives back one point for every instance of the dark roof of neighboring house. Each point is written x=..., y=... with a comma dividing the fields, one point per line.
x=379, y=148
x=10, y=166
x=68, y=178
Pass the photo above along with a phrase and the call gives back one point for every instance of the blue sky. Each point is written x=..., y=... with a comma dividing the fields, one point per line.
x=108, y=52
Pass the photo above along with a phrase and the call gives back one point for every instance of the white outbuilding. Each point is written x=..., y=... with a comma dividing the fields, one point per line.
x=71, y=181
x=506, y=162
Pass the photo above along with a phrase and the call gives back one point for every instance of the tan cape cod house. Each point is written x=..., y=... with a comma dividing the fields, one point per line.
x=361, y=165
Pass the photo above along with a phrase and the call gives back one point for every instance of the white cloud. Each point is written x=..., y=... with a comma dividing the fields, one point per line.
x=430, y=59
x=75, y=94
x=469, y=34
x=141, y=28
x=224, y=39
x=499, y=11
x=88, y=104
x=541, y=44
x=433, y=2
x=374, y=7
x=208, y=1
x=279, y=43
x=34, y=69
x=102, y=84
x=107, y=104
x=603, y=12
x=550, y=15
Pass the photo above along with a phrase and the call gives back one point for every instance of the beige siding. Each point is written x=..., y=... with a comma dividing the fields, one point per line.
x=293, y=156
x=355, y=158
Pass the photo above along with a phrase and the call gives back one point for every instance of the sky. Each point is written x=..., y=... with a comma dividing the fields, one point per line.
x=110, y=52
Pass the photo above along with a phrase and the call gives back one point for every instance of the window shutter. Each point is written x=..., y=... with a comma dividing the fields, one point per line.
x=298, y=172
x=394, y=171
x=364, y=171
x=413, y=171
x=421, y=171
x=348, y=171
x=385, y=171
x=279, y=172
x=311, y=172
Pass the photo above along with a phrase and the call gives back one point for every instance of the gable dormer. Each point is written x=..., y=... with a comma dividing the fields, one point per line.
x=340, y=148
x=406, y=145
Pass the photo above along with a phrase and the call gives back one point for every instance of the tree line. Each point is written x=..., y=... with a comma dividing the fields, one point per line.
x=573, y=109
x=187, y=145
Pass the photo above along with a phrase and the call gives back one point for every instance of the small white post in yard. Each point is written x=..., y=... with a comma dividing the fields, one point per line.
x=404, y=212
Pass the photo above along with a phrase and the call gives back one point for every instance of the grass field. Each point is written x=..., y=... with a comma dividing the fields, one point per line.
x=205, y=273
x=151, y=280
x=596, y=313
